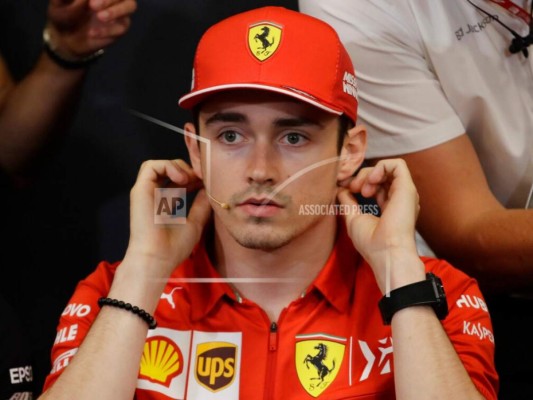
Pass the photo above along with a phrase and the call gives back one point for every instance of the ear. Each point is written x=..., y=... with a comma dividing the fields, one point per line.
x=193, y=146
x=353, y=152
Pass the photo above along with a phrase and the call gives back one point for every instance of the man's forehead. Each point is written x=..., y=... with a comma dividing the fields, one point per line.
x=243, y=105
x=280, y=121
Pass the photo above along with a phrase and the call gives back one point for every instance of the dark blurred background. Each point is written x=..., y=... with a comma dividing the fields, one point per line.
x=75, y=213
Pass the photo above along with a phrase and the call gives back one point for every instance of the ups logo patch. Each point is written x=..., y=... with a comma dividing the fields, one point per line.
x=215, y=365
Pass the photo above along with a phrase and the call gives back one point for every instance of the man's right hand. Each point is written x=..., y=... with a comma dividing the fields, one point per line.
x=81, y=27
x=168, y=245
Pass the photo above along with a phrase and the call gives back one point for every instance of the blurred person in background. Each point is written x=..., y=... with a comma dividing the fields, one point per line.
x=34, y=113
x=448, y=86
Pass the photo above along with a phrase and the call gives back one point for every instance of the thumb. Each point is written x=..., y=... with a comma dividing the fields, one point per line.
x=346, y=198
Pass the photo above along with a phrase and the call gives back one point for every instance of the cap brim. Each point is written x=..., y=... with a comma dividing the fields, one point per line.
x=191, y=99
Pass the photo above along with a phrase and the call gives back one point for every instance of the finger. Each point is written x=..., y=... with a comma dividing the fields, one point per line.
x=66, y=12
x=346, y=198
x=110, y=30
x=159, y=171
x=391, y=169
x=194, y=181
x=386, y=177
x=97, y=5
x=355, y=183
x=378, y=175
x=117, y=11
x=361, y=184
x=182, y=174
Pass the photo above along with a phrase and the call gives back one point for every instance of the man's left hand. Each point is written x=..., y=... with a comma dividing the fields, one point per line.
x=388, y=240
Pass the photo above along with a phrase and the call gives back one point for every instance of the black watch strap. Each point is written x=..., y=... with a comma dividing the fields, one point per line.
x=425, y=293
x=68, y=63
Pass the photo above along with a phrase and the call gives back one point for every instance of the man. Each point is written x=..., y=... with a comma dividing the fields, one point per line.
x=33, y=113
x=268, y=300
x=447, y=86
x=33, y=110
x=438, y=82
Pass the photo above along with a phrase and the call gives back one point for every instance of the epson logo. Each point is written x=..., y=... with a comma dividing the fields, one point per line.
x=21, y=374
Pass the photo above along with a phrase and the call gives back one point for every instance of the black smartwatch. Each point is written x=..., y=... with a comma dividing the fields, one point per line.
x=425, y=293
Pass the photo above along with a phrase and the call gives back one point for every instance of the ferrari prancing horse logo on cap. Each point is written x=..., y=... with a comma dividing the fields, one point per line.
x=263, y=40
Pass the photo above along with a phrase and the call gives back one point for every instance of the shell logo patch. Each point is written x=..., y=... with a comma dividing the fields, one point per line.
x=264, y=39
x=215, y=365
x=161, y=361
x=318, y=360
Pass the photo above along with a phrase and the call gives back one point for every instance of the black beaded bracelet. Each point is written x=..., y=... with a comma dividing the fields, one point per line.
x=106, y=301
x=68, y=63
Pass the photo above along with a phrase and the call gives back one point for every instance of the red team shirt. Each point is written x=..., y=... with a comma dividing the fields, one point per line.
x=329, y=344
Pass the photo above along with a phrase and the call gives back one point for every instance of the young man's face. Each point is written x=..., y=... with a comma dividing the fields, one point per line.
x=263, y=147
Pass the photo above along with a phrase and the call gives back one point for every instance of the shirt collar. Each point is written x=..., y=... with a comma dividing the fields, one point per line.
x=335, y=281
x=205, y=285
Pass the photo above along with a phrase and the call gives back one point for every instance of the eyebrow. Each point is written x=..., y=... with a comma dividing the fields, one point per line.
x=226, y=117
x=280, y=122
x=295, y=122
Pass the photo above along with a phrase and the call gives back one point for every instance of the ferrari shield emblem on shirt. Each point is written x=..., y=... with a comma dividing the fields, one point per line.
x=318, y=360
x=264, y=40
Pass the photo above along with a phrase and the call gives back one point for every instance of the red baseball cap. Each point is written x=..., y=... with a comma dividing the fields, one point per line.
x=279, y=50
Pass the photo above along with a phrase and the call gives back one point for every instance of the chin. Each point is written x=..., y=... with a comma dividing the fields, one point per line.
x=262, y=243
x=267, y=234
x=263, y=236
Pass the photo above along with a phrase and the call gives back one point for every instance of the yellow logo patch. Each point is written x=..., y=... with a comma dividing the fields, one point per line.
x=161, y=360
x=318, y=360
x=264, y=40
x=215, y=365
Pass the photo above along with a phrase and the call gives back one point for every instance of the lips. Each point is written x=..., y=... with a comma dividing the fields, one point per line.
x=259, y=202
x=260, y=207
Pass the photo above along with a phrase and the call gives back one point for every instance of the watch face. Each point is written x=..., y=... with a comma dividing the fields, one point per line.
x=441, y=305
x=429, y=292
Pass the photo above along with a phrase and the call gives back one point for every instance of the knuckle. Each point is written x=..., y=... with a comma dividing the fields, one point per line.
x=145, y=164
x=133, y=6
x=401, y=162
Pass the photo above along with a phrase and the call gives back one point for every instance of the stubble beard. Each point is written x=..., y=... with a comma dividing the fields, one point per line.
x=266, y=241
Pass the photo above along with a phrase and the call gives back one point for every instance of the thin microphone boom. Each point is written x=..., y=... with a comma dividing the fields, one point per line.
x=225, y=206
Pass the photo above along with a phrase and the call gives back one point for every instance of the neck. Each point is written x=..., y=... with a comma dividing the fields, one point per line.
x=274, y=278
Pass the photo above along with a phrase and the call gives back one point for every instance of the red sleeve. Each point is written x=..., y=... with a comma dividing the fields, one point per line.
x=468, y=326
x=77, y=318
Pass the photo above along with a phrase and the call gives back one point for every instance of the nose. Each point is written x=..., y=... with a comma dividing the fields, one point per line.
x=263, y=164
